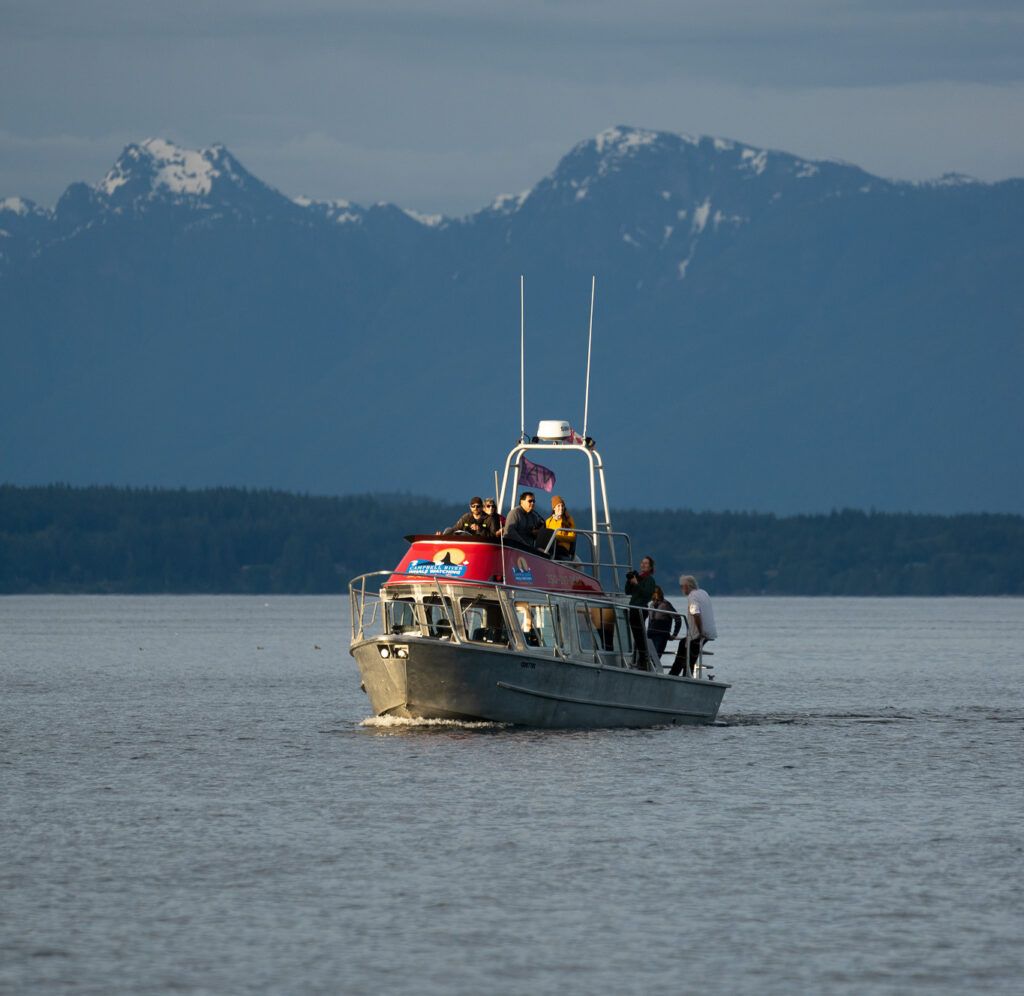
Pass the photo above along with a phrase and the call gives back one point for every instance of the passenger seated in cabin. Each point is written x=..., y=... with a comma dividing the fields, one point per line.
x=475, y=521
x=484, y=622
x=490, y=634
x=523, y=522
x=435, y=613
x=560, y=522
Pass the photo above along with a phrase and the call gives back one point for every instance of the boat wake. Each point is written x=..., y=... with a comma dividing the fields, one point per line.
x=805, y=719
x=398, y=723
x=963, y=715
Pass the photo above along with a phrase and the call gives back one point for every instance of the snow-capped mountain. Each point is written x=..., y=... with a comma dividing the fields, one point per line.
x=156, y=169
x=671, y=187
x=667, y=193
x=157, y=175
x=690, y=171
x=771, y=332
x=22, y=221
x=340, y=212
x=20, y=207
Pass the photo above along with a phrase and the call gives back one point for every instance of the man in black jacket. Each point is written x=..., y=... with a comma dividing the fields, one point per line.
x=474, y=521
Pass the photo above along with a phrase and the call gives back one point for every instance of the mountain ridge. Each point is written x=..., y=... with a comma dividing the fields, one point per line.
x=190, y=172
x=839, y=339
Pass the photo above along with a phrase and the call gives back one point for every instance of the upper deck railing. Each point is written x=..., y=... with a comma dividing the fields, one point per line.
x=602, y=554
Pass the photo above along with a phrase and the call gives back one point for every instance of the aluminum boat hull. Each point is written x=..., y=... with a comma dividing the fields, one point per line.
x=442, y=680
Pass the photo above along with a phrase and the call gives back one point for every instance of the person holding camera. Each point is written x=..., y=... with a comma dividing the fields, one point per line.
x=640, y=588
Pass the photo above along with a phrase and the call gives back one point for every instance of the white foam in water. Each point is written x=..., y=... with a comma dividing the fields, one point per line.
x=397, y=722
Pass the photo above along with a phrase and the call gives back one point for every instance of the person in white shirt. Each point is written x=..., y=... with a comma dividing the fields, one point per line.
x=702, y=627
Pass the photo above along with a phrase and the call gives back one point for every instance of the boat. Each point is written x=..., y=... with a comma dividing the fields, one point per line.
x=476, y=629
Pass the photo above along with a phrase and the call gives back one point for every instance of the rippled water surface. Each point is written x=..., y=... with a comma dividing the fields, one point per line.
x=192, y=802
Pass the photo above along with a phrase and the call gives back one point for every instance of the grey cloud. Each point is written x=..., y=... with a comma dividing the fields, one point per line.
x=442, y=105
x=788, y=43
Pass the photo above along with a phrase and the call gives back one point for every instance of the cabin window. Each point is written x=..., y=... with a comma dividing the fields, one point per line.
x=483, y=621
x=541, y=624
x=402, y=616
x=611, y=626
x=585, y=630
x=625, y=634
x=437, y=617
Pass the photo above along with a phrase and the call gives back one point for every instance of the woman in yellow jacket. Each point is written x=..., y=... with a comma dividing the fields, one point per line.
x=560, y=522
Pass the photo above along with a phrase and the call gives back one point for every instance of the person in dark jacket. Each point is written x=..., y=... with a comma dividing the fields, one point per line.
x=491, y=509
x=662, y=626
x=475, y=521
x=640, y=588
x=523, y=523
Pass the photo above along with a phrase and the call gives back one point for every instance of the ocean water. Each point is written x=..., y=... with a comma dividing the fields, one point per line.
x=193, y=801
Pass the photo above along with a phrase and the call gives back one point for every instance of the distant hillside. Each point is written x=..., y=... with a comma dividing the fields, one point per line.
x=771, y=333
x=64, y=539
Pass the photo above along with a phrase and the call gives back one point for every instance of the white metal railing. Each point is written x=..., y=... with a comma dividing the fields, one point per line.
x=367, y=605
x=360, y=597
x=596, y=540
x=700, y=668
x=368, y=618
x=600, y=513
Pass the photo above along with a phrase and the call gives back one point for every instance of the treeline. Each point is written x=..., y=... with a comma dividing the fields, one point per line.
x=231, y=540
x=843, y=553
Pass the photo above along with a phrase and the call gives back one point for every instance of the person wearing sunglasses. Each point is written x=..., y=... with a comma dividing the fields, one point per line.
x=524, y=522
x=476, y=521
x=491, y=509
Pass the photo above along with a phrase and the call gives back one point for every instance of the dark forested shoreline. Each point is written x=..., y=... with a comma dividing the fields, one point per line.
x=59, y=538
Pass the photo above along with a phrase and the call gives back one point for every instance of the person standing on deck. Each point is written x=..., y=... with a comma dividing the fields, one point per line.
x=663, y=623
x=702, y=625
x=640, y=588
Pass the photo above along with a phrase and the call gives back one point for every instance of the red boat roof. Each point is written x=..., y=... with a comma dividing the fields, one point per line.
x=469, y=560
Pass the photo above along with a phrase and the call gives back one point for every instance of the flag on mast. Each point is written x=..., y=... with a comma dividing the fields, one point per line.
x=533, y=475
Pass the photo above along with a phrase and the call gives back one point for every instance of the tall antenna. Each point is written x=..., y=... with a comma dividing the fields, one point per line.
x=590, y=339
x=522, y=360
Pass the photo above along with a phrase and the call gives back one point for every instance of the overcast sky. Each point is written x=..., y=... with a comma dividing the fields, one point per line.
x=441, y=105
